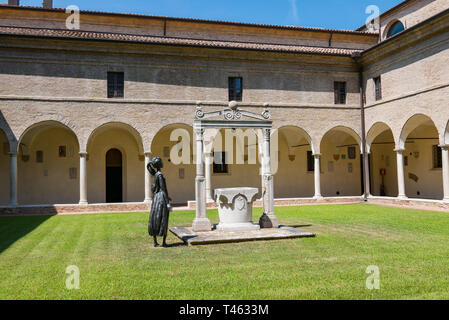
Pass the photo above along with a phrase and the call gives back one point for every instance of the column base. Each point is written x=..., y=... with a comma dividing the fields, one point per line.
x=320, y=197
x=83, y=203
x=446, y=200
x=402, y=197
x=268, y=221
x=147, y=201
x=13, y=204
x=201, y=225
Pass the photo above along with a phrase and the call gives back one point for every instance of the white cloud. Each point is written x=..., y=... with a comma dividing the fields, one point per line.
x=294, y=11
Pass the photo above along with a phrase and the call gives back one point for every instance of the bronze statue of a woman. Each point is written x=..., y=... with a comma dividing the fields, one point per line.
x=160, y=208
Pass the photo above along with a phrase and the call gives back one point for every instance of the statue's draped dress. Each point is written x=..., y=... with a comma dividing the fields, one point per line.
x=158, y=224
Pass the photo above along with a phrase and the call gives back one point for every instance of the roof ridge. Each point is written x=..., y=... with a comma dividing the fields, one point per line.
x=179, y=38
x=101, y=36
x=313, y=29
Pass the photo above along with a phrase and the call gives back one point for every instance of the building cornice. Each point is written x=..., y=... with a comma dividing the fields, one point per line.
x=175, y=102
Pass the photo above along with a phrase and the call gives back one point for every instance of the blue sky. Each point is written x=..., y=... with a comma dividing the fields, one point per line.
x=335, y=14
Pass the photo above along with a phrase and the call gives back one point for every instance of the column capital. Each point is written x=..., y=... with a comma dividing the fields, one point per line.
x=317, y=155
x=266, y=133
x=399, y=150
x=12, y=154
x=199, y=130
x=83, y=154
x=444, y=146
x=147, y=154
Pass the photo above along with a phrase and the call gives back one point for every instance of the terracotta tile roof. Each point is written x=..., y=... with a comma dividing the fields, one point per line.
x=102, y=36
x=134, y=15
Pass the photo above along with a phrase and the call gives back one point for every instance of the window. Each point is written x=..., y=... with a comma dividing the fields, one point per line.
x=220, y=165
x=437, y=157
x=235, y=89
x=62, y=151
x=395, y=29
x=340, y=92
x=310, y=162
x=116, y=84
x=39, y=156
x=378, y=88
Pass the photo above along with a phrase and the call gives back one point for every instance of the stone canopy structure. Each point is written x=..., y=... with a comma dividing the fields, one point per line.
x=357, y=115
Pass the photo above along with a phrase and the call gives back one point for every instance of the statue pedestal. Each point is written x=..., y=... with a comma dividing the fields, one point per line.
x=235, y=209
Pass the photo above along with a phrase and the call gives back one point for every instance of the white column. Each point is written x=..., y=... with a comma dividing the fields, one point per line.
x=208, y=163
x=445, y=159
x=366, y=174
x=201, y=222
x=148, y=195
x=268, y=188
x=13, y=179
x=317, y=174
x=400, y=168
x=83, y=178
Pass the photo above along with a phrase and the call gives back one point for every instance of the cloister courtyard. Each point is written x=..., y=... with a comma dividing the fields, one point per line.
x=116, y=259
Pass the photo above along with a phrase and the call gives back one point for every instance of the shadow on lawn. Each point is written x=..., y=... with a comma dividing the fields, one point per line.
x=14, y=228
x=301, y=226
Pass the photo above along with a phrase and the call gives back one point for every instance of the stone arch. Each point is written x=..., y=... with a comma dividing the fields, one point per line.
x=351, y=132
x=28, y=135
x=341, y=171
x=4, y=127
x=115, y=125
x=411, y=124
x=179, y=172
x=156, y=130
x=49, y=118
x=375, y=130
x=290, y=138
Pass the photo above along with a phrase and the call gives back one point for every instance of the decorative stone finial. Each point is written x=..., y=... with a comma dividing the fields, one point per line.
x=233, y=105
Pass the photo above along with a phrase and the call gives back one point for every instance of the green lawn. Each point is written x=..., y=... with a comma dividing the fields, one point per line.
x=117, y=261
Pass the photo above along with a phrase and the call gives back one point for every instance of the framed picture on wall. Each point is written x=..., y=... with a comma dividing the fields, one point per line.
x=351, y=153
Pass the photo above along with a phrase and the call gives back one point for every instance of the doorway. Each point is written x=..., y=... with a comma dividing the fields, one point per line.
x=114, y=176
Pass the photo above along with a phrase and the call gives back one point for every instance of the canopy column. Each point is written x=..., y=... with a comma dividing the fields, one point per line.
x=267, y=187
x=201, y=222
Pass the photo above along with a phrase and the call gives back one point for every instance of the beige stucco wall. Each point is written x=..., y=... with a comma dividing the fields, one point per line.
x=49, y=182
x=383, y=157
x=133, y=166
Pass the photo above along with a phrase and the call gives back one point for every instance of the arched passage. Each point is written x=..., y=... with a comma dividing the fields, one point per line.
x=383, y=172
x=4, y=169
x=126, y=141
x=422, y=162
x=174, y=145
x=341, y=163
x=48, y=164
x=295, y=175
